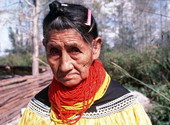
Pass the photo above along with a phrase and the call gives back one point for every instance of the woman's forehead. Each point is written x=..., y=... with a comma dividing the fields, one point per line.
x=66, y=33
x=69, y=37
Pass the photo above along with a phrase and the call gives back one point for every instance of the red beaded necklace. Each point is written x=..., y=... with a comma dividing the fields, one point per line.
x=63, y=98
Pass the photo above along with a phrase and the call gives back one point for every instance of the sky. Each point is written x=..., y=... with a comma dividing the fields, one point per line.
x=12, y=4
x=4, y=24
x=4, y=40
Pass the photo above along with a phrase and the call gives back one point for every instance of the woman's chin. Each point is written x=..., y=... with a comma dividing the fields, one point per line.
x=70, y=83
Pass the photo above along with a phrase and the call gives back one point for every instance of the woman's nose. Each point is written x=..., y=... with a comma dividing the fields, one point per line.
x=66, y=62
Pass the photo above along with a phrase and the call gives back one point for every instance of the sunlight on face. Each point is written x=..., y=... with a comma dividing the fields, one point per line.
x=69, y=56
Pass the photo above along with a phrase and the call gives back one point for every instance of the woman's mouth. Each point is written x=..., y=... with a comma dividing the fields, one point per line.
x=68, y=76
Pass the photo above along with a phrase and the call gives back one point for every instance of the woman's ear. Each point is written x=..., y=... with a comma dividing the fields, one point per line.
x=96, y=47
x=44, y=42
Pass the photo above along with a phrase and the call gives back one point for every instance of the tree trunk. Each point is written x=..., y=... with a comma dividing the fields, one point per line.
x=35, y=63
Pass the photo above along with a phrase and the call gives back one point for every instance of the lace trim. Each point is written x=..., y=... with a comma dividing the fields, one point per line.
x=39, y=108
x=111, y=107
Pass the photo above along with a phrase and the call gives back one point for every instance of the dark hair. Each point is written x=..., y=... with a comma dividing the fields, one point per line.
x=69, y=16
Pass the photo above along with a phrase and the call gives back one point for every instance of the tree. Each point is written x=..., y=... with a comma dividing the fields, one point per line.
x=18, y=46
x=35, y=6
x=125, y=22
x=35, y=64
x=127, y=39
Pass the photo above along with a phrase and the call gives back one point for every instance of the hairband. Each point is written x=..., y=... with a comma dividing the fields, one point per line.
x=57, y=6
x=64, y=5
x=88, y=22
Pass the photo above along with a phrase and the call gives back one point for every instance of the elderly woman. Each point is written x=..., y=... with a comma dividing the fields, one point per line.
x=81, y=91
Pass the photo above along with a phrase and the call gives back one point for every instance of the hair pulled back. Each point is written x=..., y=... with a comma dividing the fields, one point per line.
x=69, y=16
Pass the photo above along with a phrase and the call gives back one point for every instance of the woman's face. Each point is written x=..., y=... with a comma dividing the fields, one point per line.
x=69, y=56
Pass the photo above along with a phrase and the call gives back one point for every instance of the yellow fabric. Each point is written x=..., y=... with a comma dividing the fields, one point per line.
x=98, y=95
x=132, y=115
x=79, y=105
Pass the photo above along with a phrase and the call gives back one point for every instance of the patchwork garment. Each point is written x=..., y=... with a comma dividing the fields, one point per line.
x=117, y=107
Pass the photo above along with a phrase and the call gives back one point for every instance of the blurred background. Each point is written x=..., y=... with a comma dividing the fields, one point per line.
x=135, y=51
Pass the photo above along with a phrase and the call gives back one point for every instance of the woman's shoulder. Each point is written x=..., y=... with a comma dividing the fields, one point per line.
x=40, y=104
x=115, y=90
x=117, y=106
x=42, y=96
x=116, y=99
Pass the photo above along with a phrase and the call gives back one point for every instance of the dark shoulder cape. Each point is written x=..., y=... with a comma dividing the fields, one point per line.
x=114, y=91
x=116, y=99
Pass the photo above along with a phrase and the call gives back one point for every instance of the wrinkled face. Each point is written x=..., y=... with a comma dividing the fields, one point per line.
x=69, y=56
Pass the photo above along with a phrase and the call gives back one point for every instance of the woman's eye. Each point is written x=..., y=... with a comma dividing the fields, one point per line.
x=54, y=52
x=75, y=50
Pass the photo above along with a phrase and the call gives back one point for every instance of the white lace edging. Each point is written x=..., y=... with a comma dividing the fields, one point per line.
x=111, y=107
x=108, y=108
x=39, y=108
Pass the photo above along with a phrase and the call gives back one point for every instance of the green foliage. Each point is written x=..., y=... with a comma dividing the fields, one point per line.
x=127, y=39
x=18, y=44
x=151, y=67
x=43, y=59
x=11, y=59
x=160, y=115
x=20, y=60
